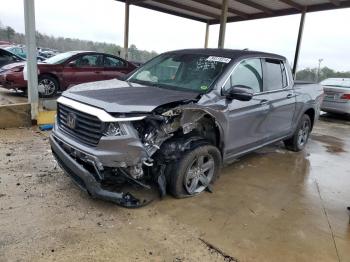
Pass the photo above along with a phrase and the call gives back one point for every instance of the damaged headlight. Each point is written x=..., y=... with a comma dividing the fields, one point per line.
x=114, y=129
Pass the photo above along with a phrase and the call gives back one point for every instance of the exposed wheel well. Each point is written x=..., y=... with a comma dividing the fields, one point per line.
x=209, y=130
x=311, y=113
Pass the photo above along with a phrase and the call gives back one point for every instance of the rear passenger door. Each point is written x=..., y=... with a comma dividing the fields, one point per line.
x=114, y=67
x=281, y=98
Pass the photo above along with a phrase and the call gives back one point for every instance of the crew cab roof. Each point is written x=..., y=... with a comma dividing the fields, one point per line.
x=228, y=53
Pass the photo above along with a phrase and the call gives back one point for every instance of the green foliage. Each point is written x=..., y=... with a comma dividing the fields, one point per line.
x=63, y=44
x=312, y=74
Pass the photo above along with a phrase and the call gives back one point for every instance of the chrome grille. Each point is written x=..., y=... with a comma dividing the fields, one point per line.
x=87, y=128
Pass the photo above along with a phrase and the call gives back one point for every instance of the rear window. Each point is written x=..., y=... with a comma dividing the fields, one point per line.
x=337, y=82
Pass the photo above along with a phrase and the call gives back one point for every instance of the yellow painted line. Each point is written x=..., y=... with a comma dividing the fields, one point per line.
x=46, y=117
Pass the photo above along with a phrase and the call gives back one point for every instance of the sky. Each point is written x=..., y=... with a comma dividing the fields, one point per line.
x=326, y=34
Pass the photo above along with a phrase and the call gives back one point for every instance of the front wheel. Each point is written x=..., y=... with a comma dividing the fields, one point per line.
x=298, y=141
x=47, y=86
x=195, y=171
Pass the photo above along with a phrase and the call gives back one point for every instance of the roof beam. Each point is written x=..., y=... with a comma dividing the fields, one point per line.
x=293, y=4
x=189, y=8
x=170, y=12
x=134, y=2
x=256, y=6
x=218, y=6
x=335, y=2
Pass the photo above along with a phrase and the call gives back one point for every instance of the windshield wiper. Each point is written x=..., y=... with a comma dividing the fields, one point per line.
x=143, y=82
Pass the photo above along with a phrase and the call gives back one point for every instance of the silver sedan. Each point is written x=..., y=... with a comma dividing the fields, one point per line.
x=337, y=95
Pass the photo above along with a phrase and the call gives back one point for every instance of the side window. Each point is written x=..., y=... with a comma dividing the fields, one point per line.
x=247, y=73
x=7, y=57
x=113, y=62
x=89, y=61
x=275, y=75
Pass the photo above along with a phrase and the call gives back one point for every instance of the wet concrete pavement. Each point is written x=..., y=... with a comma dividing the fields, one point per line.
x=8, y=97
x=272, y=205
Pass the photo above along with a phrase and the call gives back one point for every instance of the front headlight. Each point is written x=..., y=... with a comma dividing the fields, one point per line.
x=114, y=129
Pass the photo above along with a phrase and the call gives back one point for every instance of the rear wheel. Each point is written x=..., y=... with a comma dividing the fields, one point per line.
x=47, y=86
x=195, y=171
x=298, y=141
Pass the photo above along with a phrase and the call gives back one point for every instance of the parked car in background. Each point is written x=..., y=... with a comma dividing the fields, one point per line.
x=47, y=52
x=137, y=63
x=65, y=70
x=337, y=95
x=20, y=51
x=177, y=118
x=7, y=57
x=17, y=50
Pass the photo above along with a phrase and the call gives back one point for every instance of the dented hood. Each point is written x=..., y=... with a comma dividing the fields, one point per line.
x=115, y=96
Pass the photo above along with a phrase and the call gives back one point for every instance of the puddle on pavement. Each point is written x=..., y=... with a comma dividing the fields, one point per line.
x=331, y=143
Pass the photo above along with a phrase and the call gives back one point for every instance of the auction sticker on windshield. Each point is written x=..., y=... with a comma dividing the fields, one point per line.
x=219, y=59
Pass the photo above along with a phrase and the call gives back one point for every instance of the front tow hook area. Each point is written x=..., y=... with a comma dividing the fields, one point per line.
x=87, y=182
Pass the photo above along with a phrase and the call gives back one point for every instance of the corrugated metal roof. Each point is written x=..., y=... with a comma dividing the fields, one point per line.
x=209, y=11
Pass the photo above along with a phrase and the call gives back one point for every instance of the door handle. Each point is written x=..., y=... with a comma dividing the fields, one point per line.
x=97, y=72
x=289, y=96
x=264, y=102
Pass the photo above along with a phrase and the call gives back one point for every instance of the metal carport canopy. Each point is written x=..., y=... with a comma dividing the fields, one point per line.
x=223, y=11
x=209, y=11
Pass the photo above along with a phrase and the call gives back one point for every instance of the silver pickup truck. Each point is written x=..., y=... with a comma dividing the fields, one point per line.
x=177, y=119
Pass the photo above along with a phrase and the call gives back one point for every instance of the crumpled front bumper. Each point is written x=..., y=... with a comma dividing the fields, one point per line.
x=86, y=180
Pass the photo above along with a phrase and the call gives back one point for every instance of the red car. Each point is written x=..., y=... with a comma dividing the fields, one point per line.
x=65, y=70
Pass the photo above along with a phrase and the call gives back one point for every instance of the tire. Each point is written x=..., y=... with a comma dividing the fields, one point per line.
x=179, y=181
x=49, y=86
x=299, y=139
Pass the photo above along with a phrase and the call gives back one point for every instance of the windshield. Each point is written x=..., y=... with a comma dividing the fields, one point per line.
x=337, y=82
x=188, y=72
x=58, y=59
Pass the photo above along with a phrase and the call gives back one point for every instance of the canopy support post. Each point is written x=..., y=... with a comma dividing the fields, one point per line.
x=223, y=21
x=206, y=39
x=31, y=64
x=126, y=29
x=300, y=37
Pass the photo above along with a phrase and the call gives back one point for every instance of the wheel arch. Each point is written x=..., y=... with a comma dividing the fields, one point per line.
x=311, y=113
x=202, y=122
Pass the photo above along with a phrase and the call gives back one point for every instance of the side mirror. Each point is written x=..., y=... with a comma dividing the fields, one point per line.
x=240, y=92
x=72, y=64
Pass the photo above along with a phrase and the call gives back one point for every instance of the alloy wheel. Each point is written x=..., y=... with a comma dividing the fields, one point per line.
x=199, y=174
x=48, y=86
x=303, y=133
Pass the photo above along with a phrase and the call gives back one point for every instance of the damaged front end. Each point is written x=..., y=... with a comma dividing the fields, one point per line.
x=135, y=152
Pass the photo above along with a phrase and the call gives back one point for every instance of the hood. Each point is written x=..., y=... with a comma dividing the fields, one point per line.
x=22, y=63
x=115, y=96
x=13, y=65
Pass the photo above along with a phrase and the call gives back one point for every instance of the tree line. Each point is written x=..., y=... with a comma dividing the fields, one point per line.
x=63, y=44
x=317, y=75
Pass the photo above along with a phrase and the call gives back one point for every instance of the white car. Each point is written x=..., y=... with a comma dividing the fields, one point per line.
x=337, y=95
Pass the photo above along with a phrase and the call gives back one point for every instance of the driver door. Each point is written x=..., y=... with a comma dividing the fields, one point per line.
x=246, y=119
